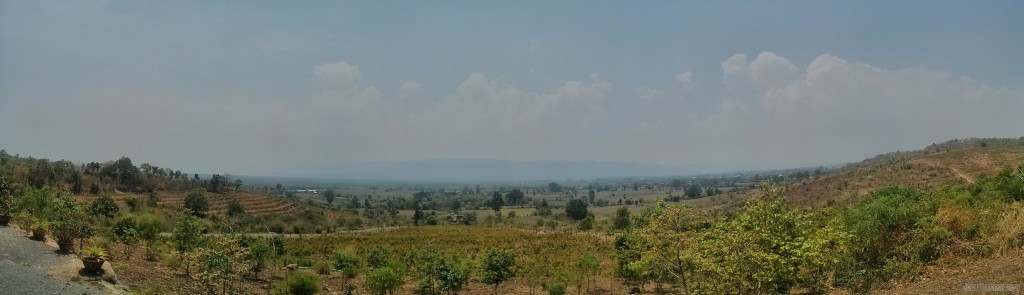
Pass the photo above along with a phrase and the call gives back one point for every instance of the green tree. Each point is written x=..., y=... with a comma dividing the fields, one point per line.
x=347, y=263
x=515, y=197
x=124, y=172
x=197, y=203
x=693, y=191
x=554, y=187
x=378, y=257
x=384, y=281
x=235, y=208
x=149, y=227
x=36, y=204
x=6, y=197
x=563, y=278
x=622, y=221
x=628, y=248
x=329, y=196
x=496, y=202
x=576, y=209
x=258, y=254
x=126, y=231
x=588, y=265
x=437, y=273
x=76, y=182
x=188, y=231
x=417, y=215
x=498, y=266
x=453, y=275
x=237, y=184
x=104, y=206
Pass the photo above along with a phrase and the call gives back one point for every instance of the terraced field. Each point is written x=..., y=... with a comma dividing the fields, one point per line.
x=254, y=204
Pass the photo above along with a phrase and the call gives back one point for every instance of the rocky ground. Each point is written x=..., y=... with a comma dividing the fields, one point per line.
x=33, y=267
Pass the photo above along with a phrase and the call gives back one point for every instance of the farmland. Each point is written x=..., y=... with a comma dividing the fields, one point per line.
x=926, y=213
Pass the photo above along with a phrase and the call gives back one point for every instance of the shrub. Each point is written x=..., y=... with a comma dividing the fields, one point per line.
x=188, y=231
x=893, y=226
x=453, y=274
x=497, y=266
x=6, y=196
x=621, y=219
x=383, y=280
x=586, y=224
x=104, y=206
x=347, y=264
x=300, y=283
x=133, y=204
x=235, y=208
x=556, y=289
x=378, y=257
x=219, y=262
x=126, y=231
x=323, y=267
x=258, y=254
x=153, y=200
x=66, y=220
x=197, y=203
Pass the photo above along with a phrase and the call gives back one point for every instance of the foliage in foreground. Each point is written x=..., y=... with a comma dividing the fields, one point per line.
x=773, y=248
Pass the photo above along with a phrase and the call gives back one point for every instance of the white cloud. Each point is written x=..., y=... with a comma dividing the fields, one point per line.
x=342, y=91
x=340, y=73
x=484, y=118
x=685, y=79
x=409, y=89
x=770, y=70
x=736, y=74
x=648, y=93
x=767, y=71
x=827, y=111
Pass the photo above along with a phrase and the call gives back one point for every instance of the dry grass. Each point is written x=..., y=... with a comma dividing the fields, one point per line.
x=925, y=172
x=1009, y=233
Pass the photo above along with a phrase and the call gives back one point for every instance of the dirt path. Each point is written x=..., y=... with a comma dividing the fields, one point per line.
x=962, y=175
x=33, y=267
x=933, y=163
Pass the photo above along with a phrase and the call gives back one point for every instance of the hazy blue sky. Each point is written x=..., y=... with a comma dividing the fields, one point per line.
x=297, y=87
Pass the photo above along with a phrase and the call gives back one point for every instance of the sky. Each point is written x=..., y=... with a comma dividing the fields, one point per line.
x=302, y=88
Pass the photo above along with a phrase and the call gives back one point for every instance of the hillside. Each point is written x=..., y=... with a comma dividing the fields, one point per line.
x=258, y=205
x=928, y=170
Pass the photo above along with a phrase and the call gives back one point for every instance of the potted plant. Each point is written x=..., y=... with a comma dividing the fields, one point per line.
x=35, y=205
x=65, y=233
x=38, y=229
x=67, y=216
x=93, y=258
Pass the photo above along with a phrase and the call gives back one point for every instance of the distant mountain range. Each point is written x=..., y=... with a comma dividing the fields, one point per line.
x=501, y=170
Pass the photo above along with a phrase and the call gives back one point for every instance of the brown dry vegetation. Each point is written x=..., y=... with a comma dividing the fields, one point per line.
x=932, y=170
